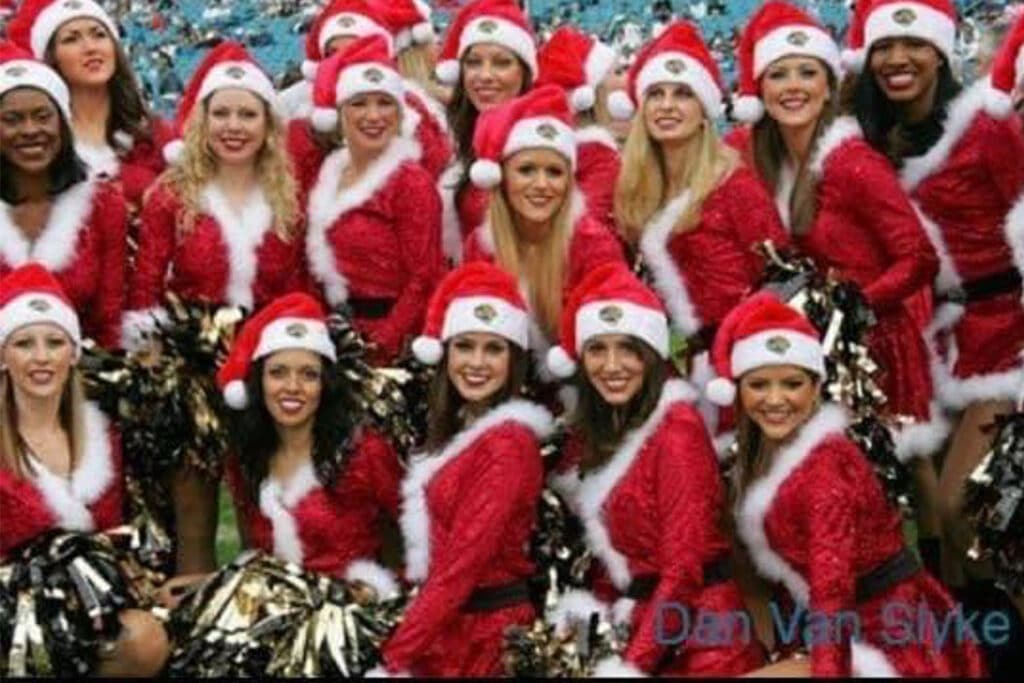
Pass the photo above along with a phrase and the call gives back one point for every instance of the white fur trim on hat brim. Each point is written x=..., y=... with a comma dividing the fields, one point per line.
x=489, y=29
x=620, y=106
x=777, y=347
x=26, y=73
x=614, y=316
x=427, y=350
x=894, y=20
x=485, y=174
x=542, y=132
x=33, y=308
x=679, y=67
x=239, y=74
x=352, y=24
x=748, y=109
x=369, y=77
x=796, y=40
x=560, y=363
x=486, y=314
x=61, y=12
x=295, y=333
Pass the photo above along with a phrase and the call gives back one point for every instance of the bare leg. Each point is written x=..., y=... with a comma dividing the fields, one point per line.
x=194, y=497
x=140, y=651
x=786, y=668
x=926, y=483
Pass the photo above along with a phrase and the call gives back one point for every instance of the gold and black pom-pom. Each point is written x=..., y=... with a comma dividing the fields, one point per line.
x=540, y=651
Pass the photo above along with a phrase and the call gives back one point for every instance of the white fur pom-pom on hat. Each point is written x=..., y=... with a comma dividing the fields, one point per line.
x=174, y=151
x=560, y=363
x=620, y=106
x=423, y=33
x=447, y=71
x=721, y=391
x=747, y=109
x=324, y=120
x=428, y=350
x=235, y=395
x=583, y=98
x=309, y=68
x=485, y=174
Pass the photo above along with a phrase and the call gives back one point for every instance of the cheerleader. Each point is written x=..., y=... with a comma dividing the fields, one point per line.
x=489, y=57
x=309, y=483
x=60, y=460
x=581, y=66
x=641, y=473
x=844, y=207
x=813, y=515
x=962, y=167
x=374, y=233
x=219, y=227
x=469, y=502
x=537, y=226
x=51, y=211
x=115, y=134
x=684, y=201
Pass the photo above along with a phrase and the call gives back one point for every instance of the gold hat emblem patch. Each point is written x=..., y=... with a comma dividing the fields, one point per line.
x=235, y=72
x=296, y=330
x=485, y=313
x=488, y=26
x=610, y=314
x=39, y=305
x=778, y=345
x=905, y=16
x=675, y=66
x=798, y=38
x=346, y=22
x=16, y=71
x=373, y=75
x=547, y=131
x=73, y=4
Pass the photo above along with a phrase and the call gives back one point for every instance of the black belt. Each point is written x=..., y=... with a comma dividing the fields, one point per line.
x=491, y=598
x=371, y=308
x=715, y=572
x=900, y=567
x=985, y=287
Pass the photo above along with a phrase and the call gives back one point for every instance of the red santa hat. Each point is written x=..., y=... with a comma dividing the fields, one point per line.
x=576, y=63
x=610, y=300
x=30, y=295
x=486, y=21
x=761, y=331
x=37, y=20
x=477, y=297
x=229, y=65
x=293, y=321
x=777, y=30
x=540, y=118
x=873, y=20
x=355, y=18
x=19, y=69
x=362, y=67
x=677, y=55
x=1007, y=71
x=409, y=21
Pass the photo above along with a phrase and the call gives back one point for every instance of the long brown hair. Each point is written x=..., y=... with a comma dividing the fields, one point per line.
x=13, y=449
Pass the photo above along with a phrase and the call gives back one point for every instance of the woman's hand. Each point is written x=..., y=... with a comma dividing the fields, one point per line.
x=174, y=589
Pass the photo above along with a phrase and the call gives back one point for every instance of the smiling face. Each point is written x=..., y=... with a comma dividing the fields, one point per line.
x=795, y=91
x=478, y=365
x=292, y=386
x=30, y=132
x=38, y=359
x=491, y=75
x=615, y=367
x=778, y=398
x=536, y=184
x=369, y=122
x=237, y=126
x=84, y=53
x=672, y=113
x=906, y=69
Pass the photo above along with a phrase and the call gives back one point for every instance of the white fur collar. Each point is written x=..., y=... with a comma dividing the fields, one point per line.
x=784, y=192
x=841, y=130
x=753, y=509
x=577, y=211
x=277, y=500
x=69, y=499
x=592, y=492
x=598, y=135
x=430, y=103
x=947, y=278
x=328, y=203
x=55, y=246
x=101, y=159
x=667, y=279
x=961, y=113
x=415, y=516
x=1014, y=229
x=242, y=232
x=451, y=232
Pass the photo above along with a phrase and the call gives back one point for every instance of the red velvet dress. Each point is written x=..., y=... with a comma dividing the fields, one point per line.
x=461, y=214
x=467, y=515
x=83, y=245
x=654, y=508
x=135, y=169
x=817, y=522
x=89, y=500
x=597, y=172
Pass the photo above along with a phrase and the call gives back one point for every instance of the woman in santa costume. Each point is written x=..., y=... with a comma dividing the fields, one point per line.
x=115, y=133
x=958, y=154
x=843, y=206
x=684, y=201
x=580, y=65
x=60, y=460
x=51, y=211
x=374, y=218
x=641, y=472
x=489, y=57
x=537, y=226
x=813, y=515
x=339, y=24
x=221, y=227
x=469, y=501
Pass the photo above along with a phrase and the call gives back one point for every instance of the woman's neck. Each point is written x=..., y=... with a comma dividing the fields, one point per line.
x=237, y=182
x=33, y=187
x=90, y=111
x=360, y=160
x=38, y=415
x=921, y=108
x=677, y=160
x=797, y=140
x=295, y=443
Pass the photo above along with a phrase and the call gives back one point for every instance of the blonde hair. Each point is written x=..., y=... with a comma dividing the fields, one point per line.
x=13, y=455
x=416, y=63
x=643, y=183
x=540, y=266
x=198, y=167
